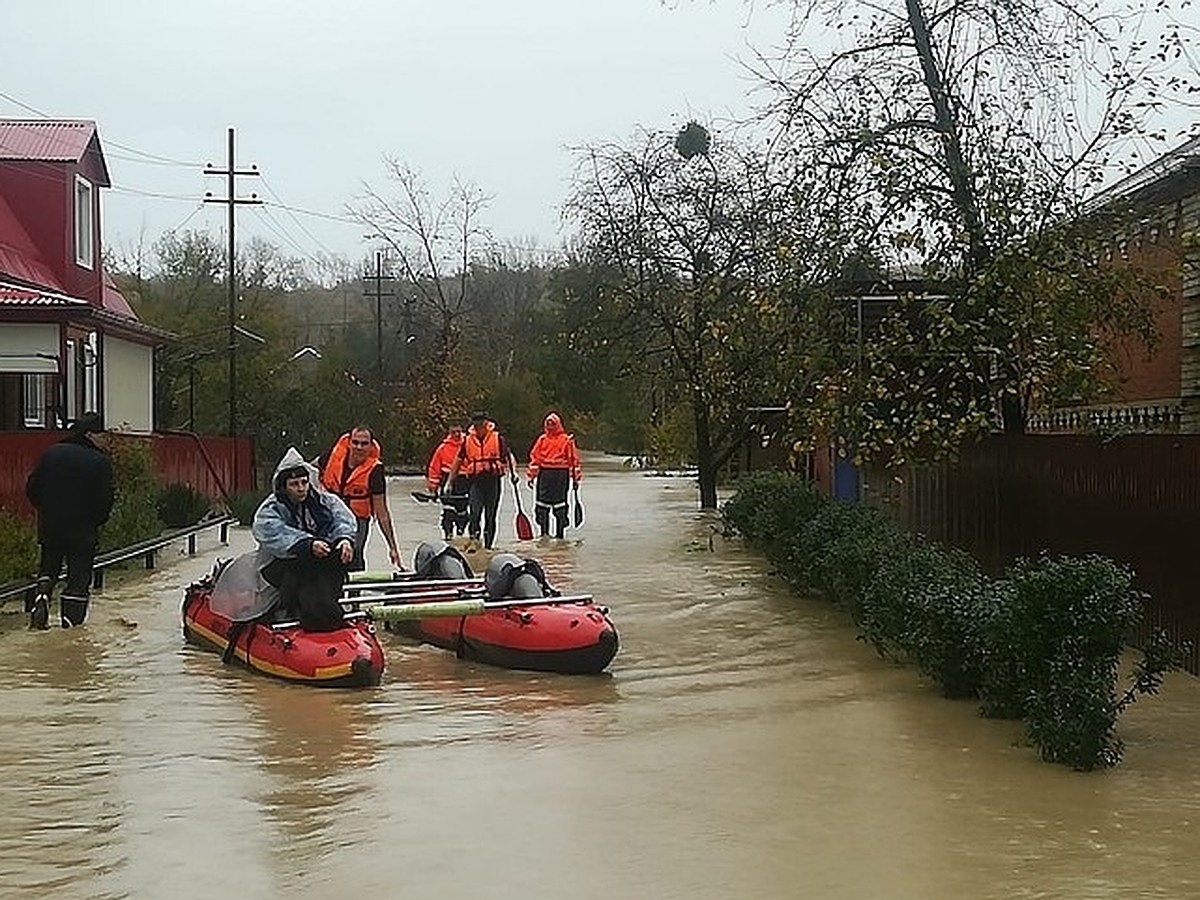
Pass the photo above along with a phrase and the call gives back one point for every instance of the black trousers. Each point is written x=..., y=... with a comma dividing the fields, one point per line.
x=309, y=589
x=359, y=562
x=79, y=553
x=483, y=500
x=454, y=507
x=552, y=485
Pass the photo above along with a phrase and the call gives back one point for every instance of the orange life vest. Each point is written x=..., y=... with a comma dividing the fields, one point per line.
x=443, y=459
x=355, y=486
x=482, y=454
x=554, y=449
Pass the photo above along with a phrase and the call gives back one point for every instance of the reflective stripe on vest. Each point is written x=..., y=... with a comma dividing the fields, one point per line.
x=356, y=488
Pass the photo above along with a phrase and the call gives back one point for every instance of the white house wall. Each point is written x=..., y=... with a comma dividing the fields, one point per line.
x=128, y=385
x=29, y=348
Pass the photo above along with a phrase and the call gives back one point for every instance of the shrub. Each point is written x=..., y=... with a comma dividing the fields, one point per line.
x=180, y=505
x=135, y=514
x=1055, y=654
x=18, y=547
x=930, y=604
x=1042, y=643
x=244, y=504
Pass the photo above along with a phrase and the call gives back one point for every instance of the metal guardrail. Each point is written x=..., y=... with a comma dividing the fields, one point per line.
x=146, y=550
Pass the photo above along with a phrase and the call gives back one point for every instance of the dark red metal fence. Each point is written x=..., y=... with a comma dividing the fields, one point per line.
x=1135, y=499
x=212, y=465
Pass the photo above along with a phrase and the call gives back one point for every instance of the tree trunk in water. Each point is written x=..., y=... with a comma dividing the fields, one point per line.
x=705, y=462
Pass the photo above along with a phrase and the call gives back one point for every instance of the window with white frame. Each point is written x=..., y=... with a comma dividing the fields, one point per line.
x=71, y=392
x=90, y=381
x=85, y=222
x=34, y=407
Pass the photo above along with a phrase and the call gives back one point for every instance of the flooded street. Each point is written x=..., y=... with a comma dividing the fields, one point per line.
x=743, y=745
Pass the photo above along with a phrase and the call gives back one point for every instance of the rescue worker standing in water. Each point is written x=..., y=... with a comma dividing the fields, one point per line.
x=353, y=471
x=484, y=457
x=554, y=465
x=454, y=495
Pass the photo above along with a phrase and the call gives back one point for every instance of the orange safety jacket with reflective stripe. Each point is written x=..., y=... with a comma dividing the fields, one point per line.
x=355, y=487
x=554, y=451
x=481, y=455
x=443, y=460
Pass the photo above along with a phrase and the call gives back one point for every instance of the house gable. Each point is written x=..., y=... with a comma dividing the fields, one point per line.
x=51, y=173
x=92, y=352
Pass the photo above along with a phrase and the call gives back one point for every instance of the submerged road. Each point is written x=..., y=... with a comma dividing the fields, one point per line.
x=743, y=745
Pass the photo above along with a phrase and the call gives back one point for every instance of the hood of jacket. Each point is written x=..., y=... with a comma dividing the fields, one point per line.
x=292, y=459
x=553, y=424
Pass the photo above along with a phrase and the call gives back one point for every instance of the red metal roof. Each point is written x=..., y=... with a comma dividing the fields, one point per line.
x=14, y=294
x=19, y=257
x=114, y=300
x=50, y=140
x=44, y=139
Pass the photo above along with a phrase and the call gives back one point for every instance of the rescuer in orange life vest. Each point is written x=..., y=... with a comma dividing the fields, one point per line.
x=454, y=495
x=484, y=457
x=554, y=464
x=353, y=470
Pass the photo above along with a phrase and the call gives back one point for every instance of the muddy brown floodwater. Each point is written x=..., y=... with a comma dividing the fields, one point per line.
x=743, y=745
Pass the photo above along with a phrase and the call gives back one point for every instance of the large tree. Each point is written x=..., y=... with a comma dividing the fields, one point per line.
x=975, y=131
x=691, y=239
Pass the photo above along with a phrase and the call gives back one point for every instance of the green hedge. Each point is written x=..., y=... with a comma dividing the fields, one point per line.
x=1041, y=643
x=134, y=515
x=180, y=505
x=18, y=547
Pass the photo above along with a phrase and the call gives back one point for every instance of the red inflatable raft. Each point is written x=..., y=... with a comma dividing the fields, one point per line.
x=348, y=657
x=523, y=624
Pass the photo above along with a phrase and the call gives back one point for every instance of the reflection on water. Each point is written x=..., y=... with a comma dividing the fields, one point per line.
x=743, y=745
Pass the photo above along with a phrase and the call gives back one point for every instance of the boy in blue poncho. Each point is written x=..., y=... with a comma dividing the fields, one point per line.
x=305, y=542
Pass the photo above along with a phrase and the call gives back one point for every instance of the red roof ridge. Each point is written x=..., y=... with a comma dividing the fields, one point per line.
x=51, y=140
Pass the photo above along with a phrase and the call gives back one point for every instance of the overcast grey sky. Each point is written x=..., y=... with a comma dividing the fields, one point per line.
x=491, y=90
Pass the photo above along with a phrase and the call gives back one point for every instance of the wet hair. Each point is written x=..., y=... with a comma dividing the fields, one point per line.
x=366, y=428
x=286, y=475
x=90, y=423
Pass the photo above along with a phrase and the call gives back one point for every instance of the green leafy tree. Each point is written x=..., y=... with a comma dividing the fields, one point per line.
x=974, y=133
x=686, y=253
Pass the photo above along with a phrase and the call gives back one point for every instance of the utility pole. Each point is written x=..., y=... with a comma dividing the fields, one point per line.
x=378, y=294
x=231, y=279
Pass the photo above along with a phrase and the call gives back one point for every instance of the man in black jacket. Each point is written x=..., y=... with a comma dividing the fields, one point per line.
x=72, y=489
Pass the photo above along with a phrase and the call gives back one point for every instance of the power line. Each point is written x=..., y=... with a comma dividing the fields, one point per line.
x=157, y=159
x=156, y=195
x=292, y=214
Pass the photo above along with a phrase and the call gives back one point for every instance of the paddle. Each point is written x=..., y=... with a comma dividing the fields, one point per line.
x=424, y=497
x=578, y=507
x=521, y=522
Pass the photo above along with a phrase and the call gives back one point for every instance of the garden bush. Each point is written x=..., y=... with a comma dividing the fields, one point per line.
x=1043, y=643
x=180, y=505
x=135, y=514
x=18, y=547
x=243, y=506
x=1056, y=650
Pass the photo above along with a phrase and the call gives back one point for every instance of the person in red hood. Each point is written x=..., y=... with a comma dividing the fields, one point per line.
x=554, y=465
x=454, y=493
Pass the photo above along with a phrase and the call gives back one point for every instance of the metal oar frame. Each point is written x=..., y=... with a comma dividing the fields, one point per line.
x=433, y=599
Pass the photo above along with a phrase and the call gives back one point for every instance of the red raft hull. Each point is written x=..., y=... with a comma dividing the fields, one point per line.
x=569, y=638
x=348, y=657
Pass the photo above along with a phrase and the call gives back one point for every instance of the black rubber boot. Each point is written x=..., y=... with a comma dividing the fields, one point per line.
x=39, y=612
x=73, y=610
